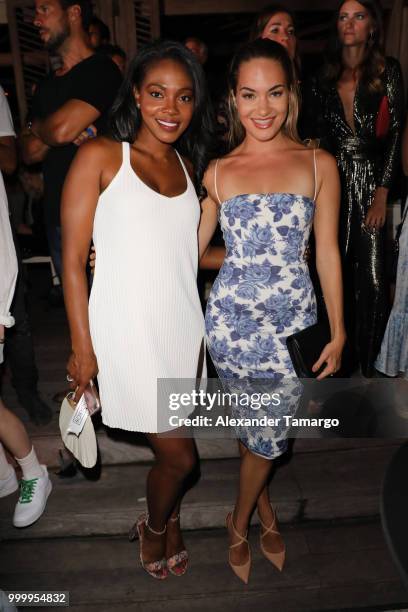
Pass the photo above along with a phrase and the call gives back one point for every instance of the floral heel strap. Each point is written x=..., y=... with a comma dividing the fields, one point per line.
x=157, y=569
x=178, y=562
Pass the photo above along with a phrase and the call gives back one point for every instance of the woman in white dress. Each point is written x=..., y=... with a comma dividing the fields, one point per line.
x=134, y=197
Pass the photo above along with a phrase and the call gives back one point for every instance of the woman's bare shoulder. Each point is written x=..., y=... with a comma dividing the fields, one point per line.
x=99, y=150
x=326, y=161
x=323, y=157
x=209, y=178
x=209, y=174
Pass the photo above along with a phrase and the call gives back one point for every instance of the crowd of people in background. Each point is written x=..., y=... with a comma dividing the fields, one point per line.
x=296, y=170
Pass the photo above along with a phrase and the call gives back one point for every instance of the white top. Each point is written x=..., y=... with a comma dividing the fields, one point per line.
x=8, y=259
x=145, y=314
x=6, y=121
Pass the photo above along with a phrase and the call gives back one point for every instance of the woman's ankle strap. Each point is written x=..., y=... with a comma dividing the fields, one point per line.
x=153, y=530
x=173, y=519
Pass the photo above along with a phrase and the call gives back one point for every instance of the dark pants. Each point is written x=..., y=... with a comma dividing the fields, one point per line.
x=19, y=341
x=54, y=243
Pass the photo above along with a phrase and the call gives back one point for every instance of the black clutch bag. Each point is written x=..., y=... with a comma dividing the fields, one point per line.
x=306, y=346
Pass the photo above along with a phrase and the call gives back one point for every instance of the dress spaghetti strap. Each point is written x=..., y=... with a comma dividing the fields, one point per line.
x=315, y=175
x=126, y=155
x=215, y=181
x=186, y=174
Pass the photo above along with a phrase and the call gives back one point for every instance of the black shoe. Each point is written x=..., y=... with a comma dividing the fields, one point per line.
x=67, y=463
x=38, y=411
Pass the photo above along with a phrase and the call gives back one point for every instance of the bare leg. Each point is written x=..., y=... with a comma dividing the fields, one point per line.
x=263, y=503
x=253, y=476
x=174, y=539
x=272, y=542
x=13, y=433
x=175, y=459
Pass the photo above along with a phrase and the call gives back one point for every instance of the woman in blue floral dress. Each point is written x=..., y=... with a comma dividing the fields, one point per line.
x=266, y=193
x=393, y=357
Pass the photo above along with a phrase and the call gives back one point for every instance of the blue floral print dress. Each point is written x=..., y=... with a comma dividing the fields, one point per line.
x=393, y=357
x=262, y=294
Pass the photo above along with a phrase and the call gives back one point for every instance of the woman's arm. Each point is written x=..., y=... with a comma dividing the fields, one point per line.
x=328, y=260
x=377, y=212
x=395, y=92
x=8, y=272
x=79, y=200
x=210, y=257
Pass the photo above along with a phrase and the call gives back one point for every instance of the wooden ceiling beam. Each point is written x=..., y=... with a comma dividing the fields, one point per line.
x=208, y=7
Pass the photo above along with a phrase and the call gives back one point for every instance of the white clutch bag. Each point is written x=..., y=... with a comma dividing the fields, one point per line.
x=78, y=433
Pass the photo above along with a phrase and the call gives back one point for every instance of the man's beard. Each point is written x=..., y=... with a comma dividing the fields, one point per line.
x=56, y=41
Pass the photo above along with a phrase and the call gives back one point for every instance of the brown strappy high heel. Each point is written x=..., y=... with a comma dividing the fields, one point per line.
x=156, y=569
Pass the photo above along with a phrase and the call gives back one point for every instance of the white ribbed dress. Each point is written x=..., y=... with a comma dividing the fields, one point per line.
x=145, y=315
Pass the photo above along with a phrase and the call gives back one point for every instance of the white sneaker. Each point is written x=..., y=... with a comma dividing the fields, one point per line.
x=8, y=485
x=33, y=498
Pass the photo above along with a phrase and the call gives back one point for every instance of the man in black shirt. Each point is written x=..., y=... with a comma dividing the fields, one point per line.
x=73, y=101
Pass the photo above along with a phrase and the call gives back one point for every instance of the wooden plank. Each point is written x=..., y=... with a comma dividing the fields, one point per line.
x=117, y=503
x=126, y=35
x=312, y=486
x=155, y=18
x=103, y=574
x=16, y=56
x=200, y=7
x=104, y=10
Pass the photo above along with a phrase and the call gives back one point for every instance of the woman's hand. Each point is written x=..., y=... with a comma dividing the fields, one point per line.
x=81, y=367
x=92, y=259
x=377, y=212
x=331, y=356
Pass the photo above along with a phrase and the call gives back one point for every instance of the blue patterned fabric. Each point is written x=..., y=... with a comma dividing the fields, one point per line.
x=262, y=294
x=393, y=356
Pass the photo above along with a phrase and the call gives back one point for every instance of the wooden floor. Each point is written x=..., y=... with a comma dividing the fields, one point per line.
x=329, y=567
x=327, y=497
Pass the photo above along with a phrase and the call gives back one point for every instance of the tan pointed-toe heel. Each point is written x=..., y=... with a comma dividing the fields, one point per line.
x=242, y=571
x=278, y=558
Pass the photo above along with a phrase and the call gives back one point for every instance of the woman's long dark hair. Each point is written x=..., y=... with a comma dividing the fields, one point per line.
x=125, y=118
x=373, y=64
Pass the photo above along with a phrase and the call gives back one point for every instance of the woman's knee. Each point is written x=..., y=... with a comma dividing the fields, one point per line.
x=182, y=463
